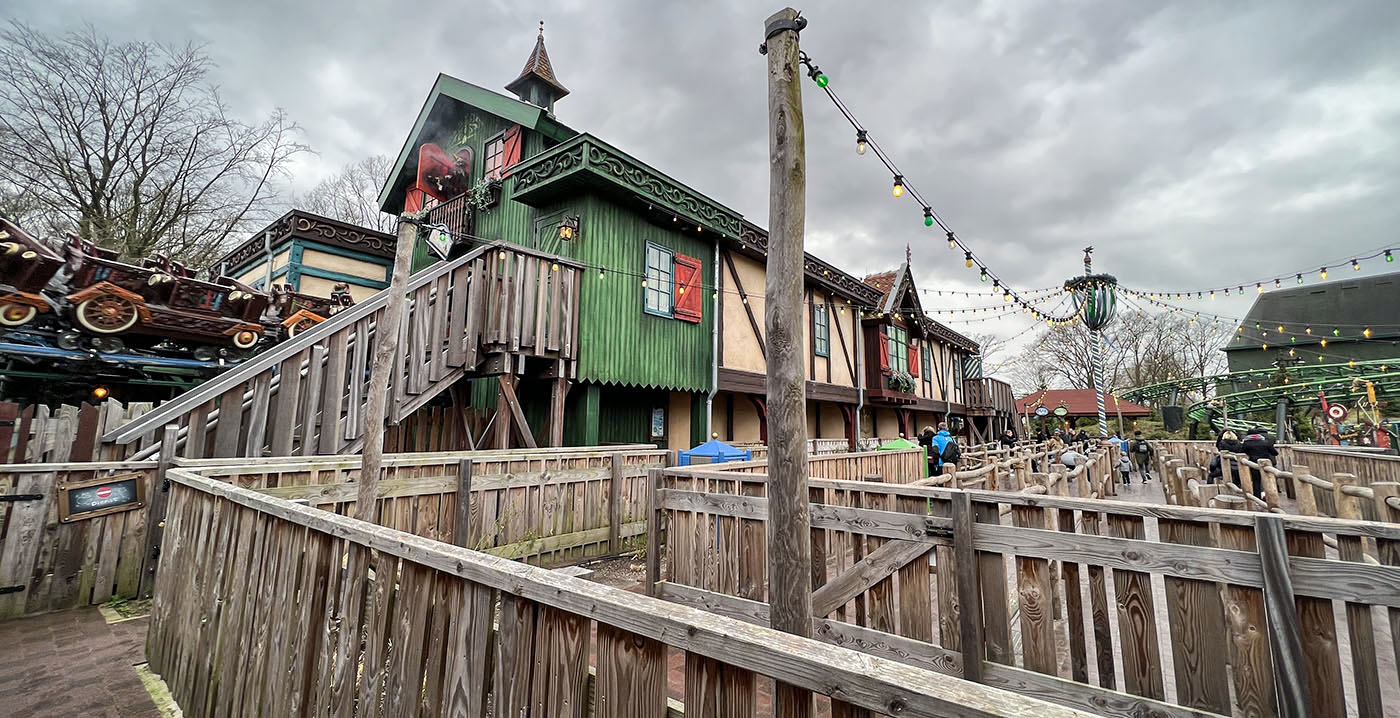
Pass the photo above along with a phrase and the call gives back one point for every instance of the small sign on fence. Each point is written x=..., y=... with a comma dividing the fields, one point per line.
x=101, y=496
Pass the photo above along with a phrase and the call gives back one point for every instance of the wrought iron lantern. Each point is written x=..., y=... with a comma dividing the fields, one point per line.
x=568, y=228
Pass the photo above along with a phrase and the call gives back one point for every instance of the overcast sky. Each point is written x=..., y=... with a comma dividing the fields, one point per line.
x=1194, y=144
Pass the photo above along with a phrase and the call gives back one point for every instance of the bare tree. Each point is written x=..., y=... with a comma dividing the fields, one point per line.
x=352, y=194
x=993, y=352
x=130, y=144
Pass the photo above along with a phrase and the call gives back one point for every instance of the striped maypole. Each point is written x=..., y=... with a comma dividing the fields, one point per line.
x=1096, y=346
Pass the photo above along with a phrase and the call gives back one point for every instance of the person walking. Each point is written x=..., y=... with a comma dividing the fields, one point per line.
x=926, y=441
x=947, y=448
x=1008, y=439
x=1142, y=456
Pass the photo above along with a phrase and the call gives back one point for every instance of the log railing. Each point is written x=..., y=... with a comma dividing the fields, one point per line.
x=306, y=395
x=264, y=607
x=1058, y=599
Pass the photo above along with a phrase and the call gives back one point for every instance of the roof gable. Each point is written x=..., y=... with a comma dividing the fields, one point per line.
x=446, y=91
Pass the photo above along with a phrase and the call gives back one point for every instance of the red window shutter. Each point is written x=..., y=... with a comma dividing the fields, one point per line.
x=689, y=294
x=413, y=200
x=511, y=154
x=884, y=352
x=913, y=359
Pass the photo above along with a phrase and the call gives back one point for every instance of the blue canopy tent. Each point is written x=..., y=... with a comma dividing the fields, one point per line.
x=713, y=451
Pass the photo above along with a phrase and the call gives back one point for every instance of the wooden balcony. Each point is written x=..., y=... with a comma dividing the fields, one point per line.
x=457, y=215
x=985, y=396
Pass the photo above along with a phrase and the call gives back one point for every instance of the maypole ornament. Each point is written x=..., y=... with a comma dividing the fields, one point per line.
x=1098, y=299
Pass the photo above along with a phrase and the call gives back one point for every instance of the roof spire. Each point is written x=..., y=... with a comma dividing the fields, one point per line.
x=908, y=254
x=537, y=83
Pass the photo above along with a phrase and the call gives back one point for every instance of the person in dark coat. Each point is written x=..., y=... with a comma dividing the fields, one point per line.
x=1258, y=445
x=926, y=441
x=1230, y=443
x=1008, y=439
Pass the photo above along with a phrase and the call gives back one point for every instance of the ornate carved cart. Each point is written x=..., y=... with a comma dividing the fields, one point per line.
x=113, y=303
x=291, y=312
x=26, y=266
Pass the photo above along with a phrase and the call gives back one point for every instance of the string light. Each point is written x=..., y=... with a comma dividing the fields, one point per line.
x=952, y=241
x=1321, y=272
x=968, y=260
x=1388, y=258
x=1277, y=284
x=861, y=141
x=1259, y=288
x=928, y=216
x=1300, y=278
x=1356, y=267
x=899, y=186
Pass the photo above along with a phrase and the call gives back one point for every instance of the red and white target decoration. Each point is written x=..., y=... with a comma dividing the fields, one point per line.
x=1336, y=412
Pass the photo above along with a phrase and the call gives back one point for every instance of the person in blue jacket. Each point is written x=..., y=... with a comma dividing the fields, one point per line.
x=945, y=448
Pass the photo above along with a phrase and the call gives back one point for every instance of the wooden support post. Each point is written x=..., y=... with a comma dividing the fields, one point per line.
x=558, y=393
x=969, y=595
x=1307, y=503
x=615, y=504
x=789, y=536
x=1359, y=626
x=655, y=516
x=1285, y=641
x=155, y=518
x=516, y=414
x=461, y=528
x=1270, y=481
x=386, y=338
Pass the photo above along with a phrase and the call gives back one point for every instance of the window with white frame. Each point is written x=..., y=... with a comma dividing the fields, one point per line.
x=821, y=330
x=660, y=281
x=899, y=349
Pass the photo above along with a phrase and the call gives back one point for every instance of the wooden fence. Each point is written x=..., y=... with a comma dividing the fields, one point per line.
x=263, y=607
x=896, y=466
x=1064, y=597
x=35, y=434
x=545, y=506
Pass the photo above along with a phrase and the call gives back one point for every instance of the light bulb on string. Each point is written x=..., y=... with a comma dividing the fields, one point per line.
x=1322, y=273
x=1277, y=284
x=952, y=241
x=1355, y=266
x=968, y=260
x=1388, y=258
x=898, y=186
x=984, y=274
x=1259, y=287
x=928, y=216
x=861, y=139
x=1300, y=278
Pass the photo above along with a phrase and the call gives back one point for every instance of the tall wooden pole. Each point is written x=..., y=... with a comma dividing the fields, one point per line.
x=386, y=336
x=789, y=537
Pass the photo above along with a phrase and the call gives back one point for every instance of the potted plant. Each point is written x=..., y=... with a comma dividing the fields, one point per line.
x=901, y=381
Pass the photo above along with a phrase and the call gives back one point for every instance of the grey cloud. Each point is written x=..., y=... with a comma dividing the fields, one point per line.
x=1193, y=143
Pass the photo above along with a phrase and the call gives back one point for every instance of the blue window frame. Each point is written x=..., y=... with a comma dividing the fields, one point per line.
x=821, y=330
x=660, y=281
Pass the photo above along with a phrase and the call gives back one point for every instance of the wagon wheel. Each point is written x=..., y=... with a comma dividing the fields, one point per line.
x=107, y=314
x=301, y=326
x=13, y=314
x=245, y=339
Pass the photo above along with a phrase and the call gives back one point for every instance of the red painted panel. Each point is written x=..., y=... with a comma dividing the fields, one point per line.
x=511, y=155
x=689, y=293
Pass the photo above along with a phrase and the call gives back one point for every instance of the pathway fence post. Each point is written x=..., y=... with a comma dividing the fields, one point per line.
x=1285, y=639
x=155, y=518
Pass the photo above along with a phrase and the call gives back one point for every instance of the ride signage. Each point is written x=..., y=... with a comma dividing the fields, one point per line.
x=101, y=496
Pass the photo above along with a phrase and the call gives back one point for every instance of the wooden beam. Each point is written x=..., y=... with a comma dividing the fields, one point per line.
x=522, y=428
x=155, y=516
x=789, y=550
x=744, y=299
x=461, y=528
x=969, y=593
x=381, y=381
x=558, y=392
x=1285, y=641
x=875, y=567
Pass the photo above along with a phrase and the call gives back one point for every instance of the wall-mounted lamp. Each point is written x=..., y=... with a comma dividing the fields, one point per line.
x=568, y=228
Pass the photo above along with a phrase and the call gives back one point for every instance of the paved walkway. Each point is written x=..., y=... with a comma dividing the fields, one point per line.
x=73, y=663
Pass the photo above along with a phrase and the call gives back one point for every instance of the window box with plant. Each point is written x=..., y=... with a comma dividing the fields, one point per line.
x=900, y=381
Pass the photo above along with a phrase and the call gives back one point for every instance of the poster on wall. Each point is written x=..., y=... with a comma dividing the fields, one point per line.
x=99, y=497
x=658, y=423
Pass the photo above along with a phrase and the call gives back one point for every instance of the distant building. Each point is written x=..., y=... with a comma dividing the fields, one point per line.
x=1320, y=324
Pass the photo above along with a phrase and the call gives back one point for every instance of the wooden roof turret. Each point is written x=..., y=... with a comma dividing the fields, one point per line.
x=537, y=84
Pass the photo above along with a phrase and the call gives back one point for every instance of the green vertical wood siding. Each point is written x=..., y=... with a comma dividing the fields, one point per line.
x=618, y=342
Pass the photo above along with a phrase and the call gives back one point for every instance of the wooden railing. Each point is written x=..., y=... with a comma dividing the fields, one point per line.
x=306, y=395
x=456, y=214
x=896, y=466
x=1059, y=601
x=264, y=607
x=988, y=393
x=544, y=506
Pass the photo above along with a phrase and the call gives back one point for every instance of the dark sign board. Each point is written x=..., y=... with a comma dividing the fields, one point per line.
x=99, y=497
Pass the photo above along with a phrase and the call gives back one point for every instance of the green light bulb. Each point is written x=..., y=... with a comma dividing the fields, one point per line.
x=928, y=221
x=822, y=80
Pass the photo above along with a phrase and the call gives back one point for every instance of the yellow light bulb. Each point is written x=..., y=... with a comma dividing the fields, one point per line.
x=899, y=190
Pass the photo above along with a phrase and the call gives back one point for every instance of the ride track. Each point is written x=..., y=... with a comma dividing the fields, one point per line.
x=1342, y=383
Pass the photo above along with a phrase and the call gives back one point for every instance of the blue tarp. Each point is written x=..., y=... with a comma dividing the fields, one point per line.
x=716, y=451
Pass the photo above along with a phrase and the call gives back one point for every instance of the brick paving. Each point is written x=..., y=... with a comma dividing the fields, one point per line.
x=72, y=663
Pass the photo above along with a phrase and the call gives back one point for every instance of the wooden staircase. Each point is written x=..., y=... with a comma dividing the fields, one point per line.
x=494, y=311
